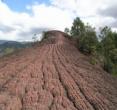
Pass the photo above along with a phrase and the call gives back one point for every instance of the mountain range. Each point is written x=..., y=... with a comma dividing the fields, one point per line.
x=5, y=44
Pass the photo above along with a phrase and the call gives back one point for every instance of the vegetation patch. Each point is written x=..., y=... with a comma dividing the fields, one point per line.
x=102, y=47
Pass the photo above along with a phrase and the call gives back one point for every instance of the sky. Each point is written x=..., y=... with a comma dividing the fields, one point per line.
x=21, y=19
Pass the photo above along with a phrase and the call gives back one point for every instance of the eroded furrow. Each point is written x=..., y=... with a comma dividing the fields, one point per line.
x=97, y=100
x=37, y=97
x=63, y=98
x=72, y=90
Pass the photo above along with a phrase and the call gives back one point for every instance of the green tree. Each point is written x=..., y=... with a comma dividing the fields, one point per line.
x=115, y=38
x=67, y=31
x=104, y=32
x=34, y=38
x=108, y=49
x=78, y=28
x=88, y=43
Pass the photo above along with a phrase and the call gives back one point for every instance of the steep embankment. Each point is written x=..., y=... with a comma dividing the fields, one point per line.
x=54, y=76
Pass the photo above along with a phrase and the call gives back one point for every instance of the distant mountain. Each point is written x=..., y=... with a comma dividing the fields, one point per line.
x=15, y=44
x=11, y=45
x=3, y=41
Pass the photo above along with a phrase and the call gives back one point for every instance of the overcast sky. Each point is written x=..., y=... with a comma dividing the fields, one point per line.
x=21, y=19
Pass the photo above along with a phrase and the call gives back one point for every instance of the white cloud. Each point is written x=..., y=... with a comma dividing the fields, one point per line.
x=88, y=10
x=42, y=17
x=65, y=4
x=51, y=16
x=58, y=15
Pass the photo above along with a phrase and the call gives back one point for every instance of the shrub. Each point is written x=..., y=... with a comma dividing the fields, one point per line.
x=8, y=51
x=93, y=61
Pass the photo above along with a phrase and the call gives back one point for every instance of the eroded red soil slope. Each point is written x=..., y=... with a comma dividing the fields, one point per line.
x=54, y=76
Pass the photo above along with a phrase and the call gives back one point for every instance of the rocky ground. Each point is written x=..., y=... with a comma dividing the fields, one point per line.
x=54, y=76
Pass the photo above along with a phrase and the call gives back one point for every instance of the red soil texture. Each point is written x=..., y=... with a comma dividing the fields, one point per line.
x=54, y=76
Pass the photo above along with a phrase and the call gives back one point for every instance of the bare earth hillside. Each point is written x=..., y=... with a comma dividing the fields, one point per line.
x=54, y=76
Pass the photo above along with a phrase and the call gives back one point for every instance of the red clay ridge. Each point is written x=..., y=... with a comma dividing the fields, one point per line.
x=55, y=76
